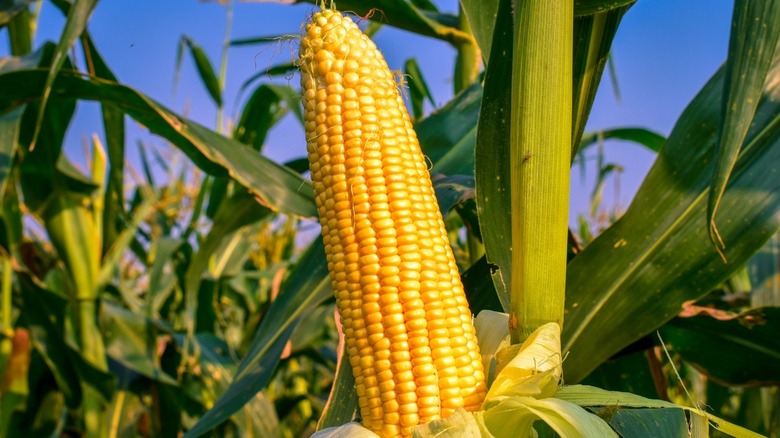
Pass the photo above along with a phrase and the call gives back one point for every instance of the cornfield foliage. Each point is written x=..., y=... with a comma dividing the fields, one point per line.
x=194, y=298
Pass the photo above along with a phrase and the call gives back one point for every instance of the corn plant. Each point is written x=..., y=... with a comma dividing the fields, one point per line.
x=184, y=297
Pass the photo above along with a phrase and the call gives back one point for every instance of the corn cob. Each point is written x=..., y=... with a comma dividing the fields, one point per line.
x=404, y=314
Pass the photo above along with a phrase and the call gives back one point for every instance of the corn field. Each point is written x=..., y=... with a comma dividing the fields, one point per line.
x=413, y=272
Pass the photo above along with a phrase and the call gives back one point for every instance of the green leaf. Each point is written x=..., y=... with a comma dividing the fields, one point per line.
x=628, y=373
x=203, y=66
x=637, y=274
x=593, y=35
x=76, y=22
x=128, y=341
x=418, y=88
x=492, y=173
x=10, y=125
x=587, y=7
x=638, y=423
x=447, y=137
x=482, y=16
x=239, y=210
x=11, y=8
x=749, y=341
x=754, y=37
x=279, y=188
x=267, y=105
x=44, y=317
x=645, y=137
x=307, y=286
x=343, y=400
x=404, y=15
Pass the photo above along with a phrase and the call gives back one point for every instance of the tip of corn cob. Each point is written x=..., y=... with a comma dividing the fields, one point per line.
x=406, y=322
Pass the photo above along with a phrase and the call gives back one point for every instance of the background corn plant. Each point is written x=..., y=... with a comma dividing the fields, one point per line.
x=186, y=293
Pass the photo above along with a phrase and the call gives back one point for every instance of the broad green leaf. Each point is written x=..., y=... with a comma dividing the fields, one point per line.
x=593, y=35
x=482, y=16
x=11, y=8
x=492, y=168
x=749, y=341
x=349, y=430
x=587, y=7
x=76, y=22
x=265, y=107
x=20, y=33
x=10, y=125
x=755, y=29
x=639, y=423
x=447, y=136
x=128, y=341
x=279, y=188
x=114, y=129
x=404, y=15
x=637, y=274
x=306, y=287
x=202, y=64
x=645, y=137
x=589, y=396
x=460, y=424
x=515, y=416
x=452, y=191
x=342, y=401
x=628, y=373
x=44, y=317
x=257, y=418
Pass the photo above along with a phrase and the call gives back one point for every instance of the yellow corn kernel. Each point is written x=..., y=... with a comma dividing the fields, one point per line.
x=407, y=325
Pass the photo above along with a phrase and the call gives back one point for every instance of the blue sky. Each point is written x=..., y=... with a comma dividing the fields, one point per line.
x=664, y=52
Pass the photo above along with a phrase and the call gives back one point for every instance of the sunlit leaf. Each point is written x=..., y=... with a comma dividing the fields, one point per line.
x=754, y=37
x=639, y=272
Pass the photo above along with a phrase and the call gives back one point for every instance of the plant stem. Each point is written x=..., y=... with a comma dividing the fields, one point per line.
x=540, y=142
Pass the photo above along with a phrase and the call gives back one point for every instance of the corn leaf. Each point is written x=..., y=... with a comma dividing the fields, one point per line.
x=418, y=88
x=128, y=343
x=307, y=286
x=405, y=15
x=447, y=136
x=589, y=396
x=76, y=22
x=638, y=273
x=749, y=340
x=492, y=171
x=638, y=422
x=10, y=9
x=593, y=35
x=264, y=108
x=641, y=136
x=342, y=401
x=754, y=36
x=587, y=7
x=202, y=65
x=278, y=187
